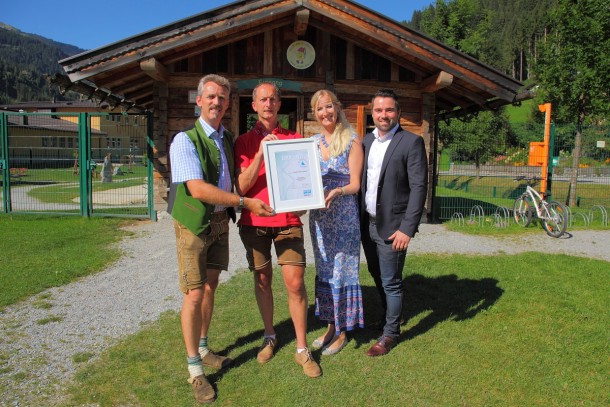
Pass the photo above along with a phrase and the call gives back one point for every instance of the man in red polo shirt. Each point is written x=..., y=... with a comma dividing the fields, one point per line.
x=284, y=230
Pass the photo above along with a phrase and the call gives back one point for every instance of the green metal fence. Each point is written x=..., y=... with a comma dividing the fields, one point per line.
x=84, y=164
x=477, y=165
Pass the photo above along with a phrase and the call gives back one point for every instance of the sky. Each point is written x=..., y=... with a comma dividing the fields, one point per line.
x=88, y=25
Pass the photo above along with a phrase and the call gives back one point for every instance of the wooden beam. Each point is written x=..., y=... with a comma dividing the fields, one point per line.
x=323, y=55
x=140, y=94
x=125, y=76
x=350, y=61
x=436, y=82
x=394, y=72
x=135, y=86
x=451, y=100
x=195, y=63
x=235, y=116
x=268, y=53
x=361, y=121
x=369, y=89
x=428, y=133
x=301, y=21
x=155, y=70
x=468, y=94
x=300, y=119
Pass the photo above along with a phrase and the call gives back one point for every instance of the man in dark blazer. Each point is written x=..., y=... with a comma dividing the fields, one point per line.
x=393, y=194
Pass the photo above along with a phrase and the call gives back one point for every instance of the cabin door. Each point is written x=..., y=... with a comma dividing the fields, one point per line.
x=288, y=116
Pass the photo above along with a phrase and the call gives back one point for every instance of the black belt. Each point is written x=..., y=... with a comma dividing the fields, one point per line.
x=372, y=219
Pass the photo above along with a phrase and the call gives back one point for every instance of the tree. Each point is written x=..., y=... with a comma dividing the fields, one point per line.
x=573, y=69
x=501, y=33
x=478, y=140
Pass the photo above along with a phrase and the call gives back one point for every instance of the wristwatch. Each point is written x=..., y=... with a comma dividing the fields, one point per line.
x=241, y=202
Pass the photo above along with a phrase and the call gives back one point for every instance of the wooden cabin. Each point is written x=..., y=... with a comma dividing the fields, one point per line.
x=302, y=46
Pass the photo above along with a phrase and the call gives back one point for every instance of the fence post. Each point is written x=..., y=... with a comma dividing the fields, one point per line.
x=84, y=152
x=435, y=207
x=544, y=173
x=549, y=172
x=6, y=178
x=150, y=156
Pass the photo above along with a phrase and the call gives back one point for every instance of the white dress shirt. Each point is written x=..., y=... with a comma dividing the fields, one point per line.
x=373, y=170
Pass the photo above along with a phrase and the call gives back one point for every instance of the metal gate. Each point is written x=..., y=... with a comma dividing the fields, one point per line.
x=84, y=164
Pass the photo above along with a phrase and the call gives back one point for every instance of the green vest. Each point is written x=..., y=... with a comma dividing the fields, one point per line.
x=188, y=211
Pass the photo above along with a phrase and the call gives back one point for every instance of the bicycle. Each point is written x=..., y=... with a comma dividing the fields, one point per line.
x=553, y=215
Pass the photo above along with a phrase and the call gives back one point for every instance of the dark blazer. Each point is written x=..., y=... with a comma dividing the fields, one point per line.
x=403, y=181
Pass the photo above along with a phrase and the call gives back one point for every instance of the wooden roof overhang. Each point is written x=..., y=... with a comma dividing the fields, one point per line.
x=123, y=73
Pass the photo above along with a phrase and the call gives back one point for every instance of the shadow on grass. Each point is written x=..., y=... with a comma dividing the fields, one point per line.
x=432, y=301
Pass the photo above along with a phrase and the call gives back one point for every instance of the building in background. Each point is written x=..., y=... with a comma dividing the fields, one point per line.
x=302, y=46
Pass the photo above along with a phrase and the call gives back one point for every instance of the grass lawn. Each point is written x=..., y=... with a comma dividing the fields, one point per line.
x=520, y=330
x=39, y=252
x=521, y=113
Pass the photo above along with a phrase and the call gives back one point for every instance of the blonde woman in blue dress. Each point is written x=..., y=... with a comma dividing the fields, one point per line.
x=335, y=230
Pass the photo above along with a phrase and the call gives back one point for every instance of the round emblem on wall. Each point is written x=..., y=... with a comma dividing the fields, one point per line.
x=301, y=54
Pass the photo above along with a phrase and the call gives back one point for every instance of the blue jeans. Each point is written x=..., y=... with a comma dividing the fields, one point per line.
x=385, y=266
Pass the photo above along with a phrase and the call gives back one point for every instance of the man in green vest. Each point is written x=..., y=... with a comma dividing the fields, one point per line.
x=201, y=202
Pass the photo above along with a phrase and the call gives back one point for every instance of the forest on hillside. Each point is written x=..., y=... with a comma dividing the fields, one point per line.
x=26, y=61
x=504, y=34
x=560, y=47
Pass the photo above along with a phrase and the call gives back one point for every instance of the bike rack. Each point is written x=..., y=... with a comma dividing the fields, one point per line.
x=571, y=217
x=477, y=211
x=501, y=217
x=602, y=211
x=458, y=217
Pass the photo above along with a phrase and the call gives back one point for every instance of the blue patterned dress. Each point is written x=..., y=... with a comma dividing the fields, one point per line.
x=335, y=235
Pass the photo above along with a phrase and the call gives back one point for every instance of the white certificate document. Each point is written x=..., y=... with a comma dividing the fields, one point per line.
x=293, y=175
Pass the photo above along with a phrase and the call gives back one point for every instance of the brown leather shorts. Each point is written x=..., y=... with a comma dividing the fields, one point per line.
x=198, y=253
x=288, y=242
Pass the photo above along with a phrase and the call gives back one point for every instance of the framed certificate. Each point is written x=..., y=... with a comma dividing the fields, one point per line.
x=293, y=175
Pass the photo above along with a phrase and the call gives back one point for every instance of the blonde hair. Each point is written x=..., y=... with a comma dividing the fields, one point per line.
x=343, y=132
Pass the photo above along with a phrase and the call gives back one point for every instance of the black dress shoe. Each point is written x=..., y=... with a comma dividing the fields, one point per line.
x=381, y=347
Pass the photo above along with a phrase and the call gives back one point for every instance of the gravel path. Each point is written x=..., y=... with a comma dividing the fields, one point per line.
x=96, y=311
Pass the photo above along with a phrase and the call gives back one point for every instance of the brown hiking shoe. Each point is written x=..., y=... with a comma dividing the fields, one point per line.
x=265, y=352
x=310, y=367
x=215, y=361
x=202, y=389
